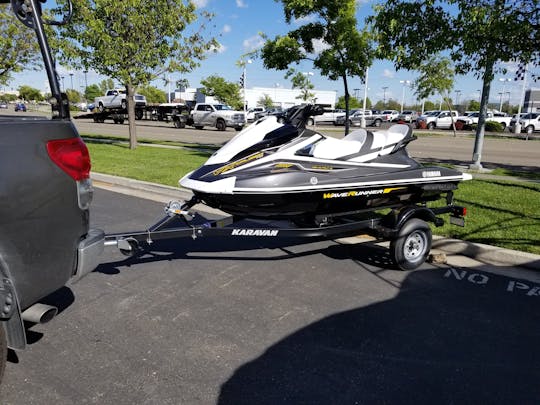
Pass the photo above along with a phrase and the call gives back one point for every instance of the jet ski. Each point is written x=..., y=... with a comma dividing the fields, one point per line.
x=276, y=170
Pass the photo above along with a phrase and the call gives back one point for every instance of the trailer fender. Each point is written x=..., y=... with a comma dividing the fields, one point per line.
x=410, y=212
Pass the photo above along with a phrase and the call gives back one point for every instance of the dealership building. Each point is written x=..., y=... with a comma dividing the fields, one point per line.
x=281, y=97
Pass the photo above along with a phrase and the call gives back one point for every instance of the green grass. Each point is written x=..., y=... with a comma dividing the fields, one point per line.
x=156, y=165
x=500, y=213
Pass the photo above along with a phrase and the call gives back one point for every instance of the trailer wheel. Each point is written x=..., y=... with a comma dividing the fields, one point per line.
x=139, y=114
x=220, y=125
x=101, y=107
x=411, y=247
x=3, y=351
x=198, y=126
x=179, y=124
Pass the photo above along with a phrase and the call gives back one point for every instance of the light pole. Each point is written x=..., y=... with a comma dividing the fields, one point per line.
x=244, y=76
x=404, y=83
x=63, y=87
x=384, y=96
x=508, y=101
x=356, y=93
x=363, y=119
x=71, y=75
x=504, y=80
x=458, y=93
x=479, y=94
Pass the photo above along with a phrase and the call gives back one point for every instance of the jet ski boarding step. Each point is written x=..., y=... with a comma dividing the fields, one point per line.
x=406, y=228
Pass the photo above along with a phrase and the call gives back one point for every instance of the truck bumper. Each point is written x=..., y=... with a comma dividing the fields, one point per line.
x=88, y=253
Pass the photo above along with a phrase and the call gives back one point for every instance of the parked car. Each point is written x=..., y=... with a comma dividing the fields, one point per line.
x=515, y=118
x=20, y=107
x=390, y=115
x=252, y=112
x=530, y=123
x=407, y=116
x=3, y=105
x=328, y=117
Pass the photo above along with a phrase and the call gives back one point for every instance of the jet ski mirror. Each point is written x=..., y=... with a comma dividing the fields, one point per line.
x=299, y=115
x=23, y=10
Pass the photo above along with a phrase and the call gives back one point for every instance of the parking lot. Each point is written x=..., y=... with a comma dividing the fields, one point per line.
x=218, y=321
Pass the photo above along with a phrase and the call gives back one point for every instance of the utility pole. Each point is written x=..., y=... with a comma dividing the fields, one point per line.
x=384, y=96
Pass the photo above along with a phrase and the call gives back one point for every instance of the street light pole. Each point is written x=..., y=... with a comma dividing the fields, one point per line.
x=458, y=93
x=363, y=119
x=245, y=82
x=71, y=74
x=504, y=80
x=404, y=83
x=384, y=96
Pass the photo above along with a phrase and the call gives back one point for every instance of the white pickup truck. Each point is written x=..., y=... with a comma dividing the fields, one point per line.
x=116, y=98
x=437, y=119
x=219, y=116
x=471, y=119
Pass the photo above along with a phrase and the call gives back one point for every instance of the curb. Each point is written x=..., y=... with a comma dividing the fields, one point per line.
x=487, y=254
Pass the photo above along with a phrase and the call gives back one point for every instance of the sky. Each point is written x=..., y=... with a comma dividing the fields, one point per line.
x=237, y=24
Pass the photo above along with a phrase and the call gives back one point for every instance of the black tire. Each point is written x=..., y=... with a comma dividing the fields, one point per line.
x=377, y=123
x=123, y=105
x=411, y=247
x=238, y=129
x=139, y=114
x=199, y=126
x=310, y=121
x=281, y=120
x=3, y=351
x=529, y=129
x=431, y=125
x=179, y=124
x=220, y=125
x=100, y=107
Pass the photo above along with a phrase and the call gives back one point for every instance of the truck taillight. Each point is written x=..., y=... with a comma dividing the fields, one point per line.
x=72, y=156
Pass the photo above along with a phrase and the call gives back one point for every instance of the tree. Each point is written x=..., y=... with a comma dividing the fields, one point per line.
x=92, y=91
x=353, y=102
x=436, y=77
x=153, y=94
x=301, y=81
x=265, y=101
x=18, y=49
x=73, y=96
x=134, y=41
x=29, y=93
x=478, y=34
x=225, y=92
x=473, y=105
x=105, y=84
x=330, y=40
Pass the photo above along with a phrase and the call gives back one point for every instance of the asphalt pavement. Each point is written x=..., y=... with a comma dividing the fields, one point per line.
x=213, y=320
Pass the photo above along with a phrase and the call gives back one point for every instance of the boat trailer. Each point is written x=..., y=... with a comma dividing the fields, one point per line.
x=405, y=226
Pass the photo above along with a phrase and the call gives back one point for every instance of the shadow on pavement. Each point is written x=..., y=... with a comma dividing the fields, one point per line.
x=427, y=345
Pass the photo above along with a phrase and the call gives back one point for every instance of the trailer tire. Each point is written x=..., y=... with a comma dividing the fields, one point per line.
x=199, y=126
x=101, y=107
x=139, y=114
x=411, y=247
x=179, y=124
x=3, y=351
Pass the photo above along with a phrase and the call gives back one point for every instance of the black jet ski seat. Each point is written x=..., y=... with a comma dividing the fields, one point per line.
x=365, y=144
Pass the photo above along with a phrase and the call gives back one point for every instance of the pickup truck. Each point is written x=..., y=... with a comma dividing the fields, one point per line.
x=329, y=116
x=530, y=123
x=219, y=116
x=437, y=119
x=45, y=195
x=116, y=99
x=471, y=119
x=355, y=119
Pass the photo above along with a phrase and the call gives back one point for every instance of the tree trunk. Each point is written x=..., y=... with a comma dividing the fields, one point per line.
x=346, y=87
x=130, y=93
x=451, y=116
x=481, y=127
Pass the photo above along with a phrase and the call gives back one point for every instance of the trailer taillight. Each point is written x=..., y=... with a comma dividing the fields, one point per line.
x=459, y=211
x=72, y=156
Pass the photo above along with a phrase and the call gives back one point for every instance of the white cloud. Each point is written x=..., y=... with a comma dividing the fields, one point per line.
x=199, y=3
x=319, y=45
x=388, y=74
x=226, y=28
x=241, y=4
x=305, y=20
x=252, y=43
x=218, y=49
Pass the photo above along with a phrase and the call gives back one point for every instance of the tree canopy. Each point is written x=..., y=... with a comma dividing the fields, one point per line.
x=29, y=93
x=301, y=81
x=477, y=35
x=153, y=94
x=223, y=91
x=18, y=49
x=134, y=41
x=331, y=40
